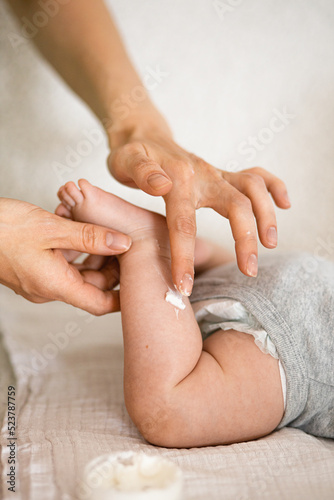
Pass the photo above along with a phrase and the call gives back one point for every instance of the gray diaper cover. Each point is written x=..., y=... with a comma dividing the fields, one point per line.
x=293, y=303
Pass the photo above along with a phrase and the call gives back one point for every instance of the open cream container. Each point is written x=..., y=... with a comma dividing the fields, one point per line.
x=131, y=476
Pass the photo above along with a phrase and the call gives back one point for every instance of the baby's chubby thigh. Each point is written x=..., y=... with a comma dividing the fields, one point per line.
x=252, y=381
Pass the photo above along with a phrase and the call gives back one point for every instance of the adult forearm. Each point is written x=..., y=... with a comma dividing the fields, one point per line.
x=82, y=43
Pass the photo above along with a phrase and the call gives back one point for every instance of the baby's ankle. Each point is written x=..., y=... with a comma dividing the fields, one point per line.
x=148, y=226
x=152, y=239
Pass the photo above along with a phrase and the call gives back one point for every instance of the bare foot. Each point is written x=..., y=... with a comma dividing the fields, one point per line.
x=92, y=204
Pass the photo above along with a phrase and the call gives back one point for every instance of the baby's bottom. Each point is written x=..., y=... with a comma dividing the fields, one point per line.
x=250, y=391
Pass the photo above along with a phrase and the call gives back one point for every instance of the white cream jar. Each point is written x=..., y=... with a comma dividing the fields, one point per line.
x=131, y=476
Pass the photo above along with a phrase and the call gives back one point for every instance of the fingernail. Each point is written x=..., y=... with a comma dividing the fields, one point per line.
x=158, y=181
x=118, y=241
x=186, y=285
x=252, y=265
x=272, y=236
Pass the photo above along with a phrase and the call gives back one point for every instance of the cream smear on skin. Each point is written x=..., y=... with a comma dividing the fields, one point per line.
x=175, y=298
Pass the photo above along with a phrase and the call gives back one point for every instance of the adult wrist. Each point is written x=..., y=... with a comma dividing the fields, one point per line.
x=143, y=122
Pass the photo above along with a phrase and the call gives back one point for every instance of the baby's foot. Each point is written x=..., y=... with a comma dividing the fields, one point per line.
x=92, y=204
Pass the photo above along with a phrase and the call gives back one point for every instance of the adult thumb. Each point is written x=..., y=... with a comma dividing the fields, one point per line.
x=134, y=168
x=87, y=238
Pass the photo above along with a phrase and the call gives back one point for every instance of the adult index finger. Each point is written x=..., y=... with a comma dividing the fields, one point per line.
x=181, y=222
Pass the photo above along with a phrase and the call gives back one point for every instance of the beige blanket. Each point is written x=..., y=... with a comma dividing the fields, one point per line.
x=71, y=409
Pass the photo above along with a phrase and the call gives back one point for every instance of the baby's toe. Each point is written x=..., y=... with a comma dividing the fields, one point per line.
x=89, y=192
x=60, y=191
x=74, y=193
x=63, y=211
x=65, y=198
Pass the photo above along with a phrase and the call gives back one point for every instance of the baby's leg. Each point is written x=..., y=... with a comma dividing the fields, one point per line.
x=179, y=391
x=209, y=255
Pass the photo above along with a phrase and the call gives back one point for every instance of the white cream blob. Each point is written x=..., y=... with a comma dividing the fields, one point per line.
x=133, y=475
x=175, y=298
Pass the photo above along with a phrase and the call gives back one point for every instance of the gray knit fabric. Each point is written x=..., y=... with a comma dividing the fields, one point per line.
x=293, y=299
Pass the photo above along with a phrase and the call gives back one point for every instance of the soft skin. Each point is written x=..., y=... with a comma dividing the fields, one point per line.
x=179, y=390
x=84, y=46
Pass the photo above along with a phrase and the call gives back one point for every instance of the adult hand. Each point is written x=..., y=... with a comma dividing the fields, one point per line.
x=96, y=66
x=33, y=265
x=154, y=163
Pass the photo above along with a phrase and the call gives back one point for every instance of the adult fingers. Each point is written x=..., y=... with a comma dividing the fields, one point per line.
x=94, y=262
x=70, y=255
x=83, y=237
x=106, y=278
x=275, y=186
x=92, y=299
x=230, y=203
x=68, y=285
x=131, y=165
x=181, y=222
x=254, y=187
x=65, y=283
